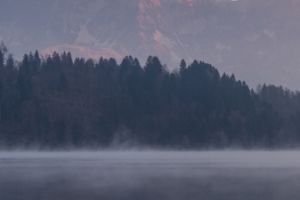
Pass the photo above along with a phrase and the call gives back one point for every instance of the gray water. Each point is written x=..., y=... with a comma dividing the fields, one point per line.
x=150, y=175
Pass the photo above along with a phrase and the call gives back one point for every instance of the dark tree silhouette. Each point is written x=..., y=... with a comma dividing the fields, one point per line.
x=57, y=102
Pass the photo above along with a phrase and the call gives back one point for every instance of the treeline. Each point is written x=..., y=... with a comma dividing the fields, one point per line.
x=58, y=101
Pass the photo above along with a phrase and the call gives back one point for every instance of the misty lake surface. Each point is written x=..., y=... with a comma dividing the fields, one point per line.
x=150, y=175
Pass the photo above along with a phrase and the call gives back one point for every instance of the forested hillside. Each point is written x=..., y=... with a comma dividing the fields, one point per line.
x=59, y=101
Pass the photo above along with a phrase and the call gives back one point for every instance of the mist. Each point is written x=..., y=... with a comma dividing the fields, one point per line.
x=88, y=111
x=150, y=175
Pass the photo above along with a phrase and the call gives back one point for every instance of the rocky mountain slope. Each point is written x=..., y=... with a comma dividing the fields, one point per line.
x=256, y=40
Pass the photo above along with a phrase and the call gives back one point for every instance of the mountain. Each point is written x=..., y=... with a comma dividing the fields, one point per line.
x=256, y=40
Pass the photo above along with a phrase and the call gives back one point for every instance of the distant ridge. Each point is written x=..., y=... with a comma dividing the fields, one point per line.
x=257, y=40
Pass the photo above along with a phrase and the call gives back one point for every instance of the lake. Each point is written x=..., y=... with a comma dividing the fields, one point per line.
x=149, y=175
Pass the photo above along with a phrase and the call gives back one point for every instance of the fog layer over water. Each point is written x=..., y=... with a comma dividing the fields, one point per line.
x=150, y=175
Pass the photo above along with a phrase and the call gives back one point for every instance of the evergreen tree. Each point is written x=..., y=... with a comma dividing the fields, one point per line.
x=36, y=66
x=182, y=67
x=10, y=63
x=25, y=66
x=1, y=59
x=3, y=51
x=57, y=102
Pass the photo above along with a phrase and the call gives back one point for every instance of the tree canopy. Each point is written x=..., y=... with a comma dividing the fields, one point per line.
x=59, y=102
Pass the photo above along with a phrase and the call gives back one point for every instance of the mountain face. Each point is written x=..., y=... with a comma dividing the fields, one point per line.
x=256, y=40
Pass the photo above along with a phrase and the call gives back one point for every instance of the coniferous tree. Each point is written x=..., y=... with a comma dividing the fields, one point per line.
x=3, y=51
x=10, y=62
x=56, y=102
x=24, y=84
x=36, y=66
x=1, y=59
x=182, y=67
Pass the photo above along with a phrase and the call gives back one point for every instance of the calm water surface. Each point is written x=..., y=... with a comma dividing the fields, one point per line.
x=150, y=175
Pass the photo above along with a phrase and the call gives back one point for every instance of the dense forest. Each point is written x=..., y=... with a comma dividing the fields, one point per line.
x=60, y=102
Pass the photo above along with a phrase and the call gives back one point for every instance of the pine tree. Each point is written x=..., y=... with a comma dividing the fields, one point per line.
x=1, y=59
x=182, y=67
x=3, y=51
x=25, y=66
x=36, y=67
x=10, y=63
